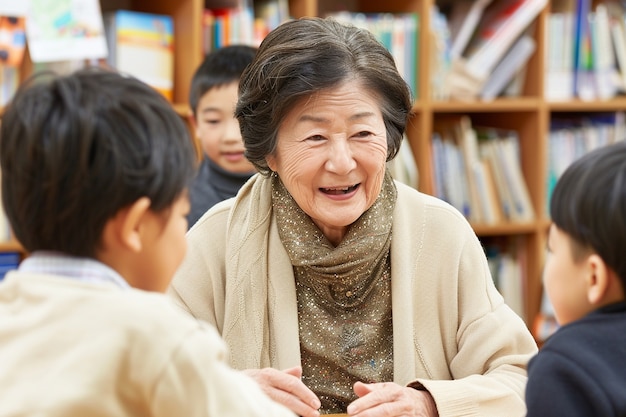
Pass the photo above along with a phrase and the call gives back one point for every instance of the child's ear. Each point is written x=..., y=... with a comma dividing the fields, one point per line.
x=125, y=228
x=599, y=281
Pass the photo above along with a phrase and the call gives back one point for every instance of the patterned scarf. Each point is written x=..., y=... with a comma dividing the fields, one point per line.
x=344, y=296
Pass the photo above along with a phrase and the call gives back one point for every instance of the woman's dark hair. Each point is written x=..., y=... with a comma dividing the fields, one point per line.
x=589, y=204
x=302, y=57
x=76, y=149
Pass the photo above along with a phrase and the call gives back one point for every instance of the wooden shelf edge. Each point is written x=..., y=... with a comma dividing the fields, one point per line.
x=617, y=103
x=499, y=105
x=11, y=246
x=501, y=229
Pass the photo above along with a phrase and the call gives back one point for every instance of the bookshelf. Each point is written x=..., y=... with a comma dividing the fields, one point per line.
x=529, y=114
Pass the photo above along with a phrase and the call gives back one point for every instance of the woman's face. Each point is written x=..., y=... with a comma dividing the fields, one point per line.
x=331, y=154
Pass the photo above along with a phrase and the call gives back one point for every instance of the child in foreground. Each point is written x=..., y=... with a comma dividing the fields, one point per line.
x=213, y=96
x=581, y=369
x=95, y=168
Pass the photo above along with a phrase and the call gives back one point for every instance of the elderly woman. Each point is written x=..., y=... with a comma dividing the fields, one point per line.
x=336, y=288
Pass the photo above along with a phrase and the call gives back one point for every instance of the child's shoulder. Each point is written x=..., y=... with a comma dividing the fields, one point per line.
x=106, y=306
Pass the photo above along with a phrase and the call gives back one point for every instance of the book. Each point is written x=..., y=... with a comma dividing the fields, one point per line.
x=398, y=32
x=440, y=46
x=617, y=27
x=142, y=45
x=501, y=148
x=65, y=30
x=584, y=80
x=502, y=23
x=510, y=65
x=464, y=19
x=468, y=143
x=403, y=167
x=559, y=41
x=604, y=67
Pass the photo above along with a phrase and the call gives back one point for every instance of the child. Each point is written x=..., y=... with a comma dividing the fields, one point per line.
x=94, y=173
x=214, y=91
x=581, y=369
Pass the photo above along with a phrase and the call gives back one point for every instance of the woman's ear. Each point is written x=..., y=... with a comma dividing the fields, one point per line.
x=599, y=280
x=124, y=229
x=271, y=162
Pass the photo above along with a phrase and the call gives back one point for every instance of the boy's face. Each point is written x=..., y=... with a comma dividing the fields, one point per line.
x=565, y=279
x=218, y=130
x=165, y=245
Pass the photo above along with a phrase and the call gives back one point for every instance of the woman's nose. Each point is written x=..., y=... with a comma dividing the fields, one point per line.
x=340, y=158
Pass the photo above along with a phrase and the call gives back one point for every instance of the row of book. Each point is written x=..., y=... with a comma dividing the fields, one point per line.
x=247, y=24
x=573, y=135
x=506, y=261
x=398, y=32
x=481, y=47
x=478, y=171
x=585, y=50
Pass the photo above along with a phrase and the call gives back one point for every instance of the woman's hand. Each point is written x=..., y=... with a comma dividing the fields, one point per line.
x=286, y=388
x=388, y=399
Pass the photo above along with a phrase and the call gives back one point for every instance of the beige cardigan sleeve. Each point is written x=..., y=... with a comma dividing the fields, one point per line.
x=453, y=334
x=197, y=382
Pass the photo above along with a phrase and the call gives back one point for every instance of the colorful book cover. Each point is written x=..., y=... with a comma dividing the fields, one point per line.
x=142, y=45
x=59, y=30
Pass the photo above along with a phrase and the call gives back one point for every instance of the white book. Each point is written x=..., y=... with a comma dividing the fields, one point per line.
x=509, y=153
x=498, y=32
x=605, y=72
x=511, y=64
x=468, y=14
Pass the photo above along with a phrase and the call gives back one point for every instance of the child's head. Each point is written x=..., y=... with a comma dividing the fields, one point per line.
x=81, y=153
x=213, y=96
x=586, y=268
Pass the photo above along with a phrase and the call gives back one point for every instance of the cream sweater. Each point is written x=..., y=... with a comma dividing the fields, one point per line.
x=71, y=348
x=452, y=331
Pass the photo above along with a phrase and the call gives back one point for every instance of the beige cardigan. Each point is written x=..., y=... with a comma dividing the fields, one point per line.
x=452, y=331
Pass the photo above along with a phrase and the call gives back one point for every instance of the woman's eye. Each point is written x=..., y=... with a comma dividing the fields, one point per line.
x=363, y=134
x=316, y=137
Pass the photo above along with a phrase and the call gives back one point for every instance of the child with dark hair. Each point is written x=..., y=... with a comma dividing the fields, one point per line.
x=581, y=369
x=213, y=96
x=95, y=168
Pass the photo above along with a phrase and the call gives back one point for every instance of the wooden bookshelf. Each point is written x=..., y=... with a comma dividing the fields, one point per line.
x=529, y=114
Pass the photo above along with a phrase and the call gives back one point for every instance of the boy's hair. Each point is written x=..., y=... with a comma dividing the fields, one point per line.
x=589, y=204
x=76, y=149
x=220, y=67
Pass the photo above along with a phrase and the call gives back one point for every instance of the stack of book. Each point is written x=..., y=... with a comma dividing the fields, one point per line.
x=397, y=32
x=487, y=46
x=478, y=171
x=585, y=51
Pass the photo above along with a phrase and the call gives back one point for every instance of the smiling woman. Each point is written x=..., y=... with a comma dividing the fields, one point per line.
x=327, y=278
x=331, y=155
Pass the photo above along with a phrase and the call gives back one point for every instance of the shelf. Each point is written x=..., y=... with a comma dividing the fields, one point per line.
x=499, y=105
x=11, y=246
x=506, y=229
x=615, y=104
